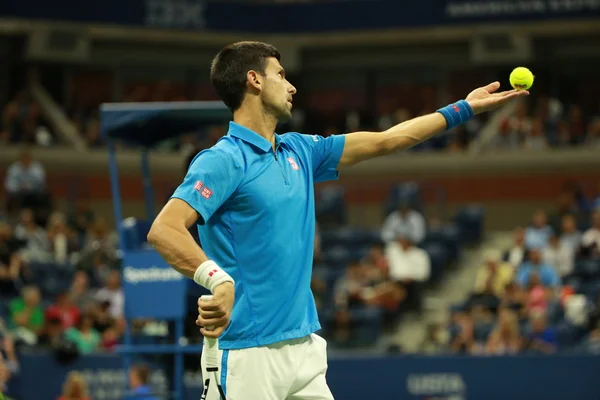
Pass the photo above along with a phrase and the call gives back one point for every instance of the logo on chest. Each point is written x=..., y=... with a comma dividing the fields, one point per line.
x=293, y=163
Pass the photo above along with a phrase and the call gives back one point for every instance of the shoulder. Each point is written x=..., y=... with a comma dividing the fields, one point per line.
x=227, y=150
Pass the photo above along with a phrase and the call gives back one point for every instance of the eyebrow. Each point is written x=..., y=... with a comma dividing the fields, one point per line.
x=282, y=71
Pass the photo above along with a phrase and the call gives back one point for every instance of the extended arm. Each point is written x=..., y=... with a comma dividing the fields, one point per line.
x=362, y=146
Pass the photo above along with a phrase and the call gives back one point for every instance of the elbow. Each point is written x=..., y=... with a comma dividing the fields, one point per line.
x=154, y=234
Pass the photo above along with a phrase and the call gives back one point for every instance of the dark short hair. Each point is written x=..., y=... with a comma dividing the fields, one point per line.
x=229, y=68
x=143, y=372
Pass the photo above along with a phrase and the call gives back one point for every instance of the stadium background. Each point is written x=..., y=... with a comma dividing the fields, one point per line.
x=357, y=64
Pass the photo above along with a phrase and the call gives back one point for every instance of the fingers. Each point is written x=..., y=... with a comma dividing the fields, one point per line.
x=207, y=305
x=216, y=322
x=213, y=334
x=514, y=93
x=210, y=314
x=492, y=87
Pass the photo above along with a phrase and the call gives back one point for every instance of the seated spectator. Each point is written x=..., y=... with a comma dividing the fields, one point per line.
x=590, y=241
x=495, y=273
x=80, y=293
x=518, y=253
x=99, y=241
x=515, y=299
x=11, y=262
x=84, y=335
x=559, y=256
x=536, y=140
x=505, y=338
x=464, y=340
x=9, y=363
x=64, y=310
x=377, y=258
x=110, y=339
x=570, y=235
x=566, y=205
x=62, y=242
x=404, y=219
x=81, y=217
x=26, y=314
x=434, y=341
x=113, y=293
x=541, y=339
x=537, y=295
x=514, y=129
x=139, y=382
x=25, y=183
x=103, y=320
x=52, y=334
x=36, y=238
x=539, y=232
x=409, y=266
x=75, y=388
x=546, y=273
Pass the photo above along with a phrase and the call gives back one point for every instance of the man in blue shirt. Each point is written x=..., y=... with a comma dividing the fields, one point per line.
x=253, y=199
x=139, y=382
x=547, y=274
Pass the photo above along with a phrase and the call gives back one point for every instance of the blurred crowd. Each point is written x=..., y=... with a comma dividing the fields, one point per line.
x=544, y=122
x=541, y=295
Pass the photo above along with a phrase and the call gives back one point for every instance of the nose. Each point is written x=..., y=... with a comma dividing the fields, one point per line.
x=292, y=89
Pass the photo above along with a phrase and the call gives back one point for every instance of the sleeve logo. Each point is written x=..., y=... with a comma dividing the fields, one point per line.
x=198, y=186
x=206, y=193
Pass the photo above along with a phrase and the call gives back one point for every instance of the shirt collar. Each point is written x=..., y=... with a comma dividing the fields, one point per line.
x=249, y=136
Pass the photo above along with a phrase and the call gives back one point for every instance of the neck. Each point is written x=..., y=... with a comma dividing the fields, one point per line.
x=257, y=121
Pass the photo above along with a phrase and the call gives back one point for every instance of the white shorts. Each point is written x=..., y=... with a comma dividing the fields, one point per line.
x=289, y=370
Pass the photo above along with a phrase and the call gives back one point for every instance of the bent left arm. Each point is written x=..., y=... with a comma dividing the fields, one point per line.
x=360, y=146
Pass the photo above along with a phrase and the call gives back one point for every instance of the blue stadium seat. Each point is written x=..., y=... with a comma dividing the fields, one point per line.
x=337, y=255
x=447, y=235
x=330, y=206
x=439, y=258
x=470, y=223
x=406, y=191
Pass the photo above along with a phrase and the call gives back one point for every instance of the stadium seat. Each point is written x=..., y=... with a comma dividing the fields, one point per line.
x=337, y=255
x=448, y=236
x=470, y=223
x=439, y=257
x=406, y=191
x=330, y=206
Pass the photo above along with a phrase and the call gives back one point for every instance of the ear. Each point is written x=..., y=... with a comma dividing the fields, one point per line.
x=254, y=79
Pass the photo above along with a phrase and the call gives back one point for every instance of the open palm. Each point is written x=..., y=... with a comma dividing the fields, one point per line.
x=486, y=99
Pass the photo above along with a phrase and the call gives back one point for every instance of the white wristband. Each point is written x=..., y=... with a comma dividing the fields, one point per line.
x=210, y=275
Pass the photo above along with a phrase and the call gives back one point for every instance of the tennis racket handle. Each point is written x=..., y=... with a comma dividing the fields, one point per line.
x=211, y=346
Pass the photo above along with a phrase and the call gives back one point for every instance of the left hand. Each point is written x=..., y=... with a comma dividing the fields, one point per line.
x=486, y=99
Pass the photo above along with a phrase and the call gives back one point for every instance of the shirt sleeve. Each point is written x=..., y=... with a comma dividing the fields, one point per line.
x=326, y=154
x=212, y=178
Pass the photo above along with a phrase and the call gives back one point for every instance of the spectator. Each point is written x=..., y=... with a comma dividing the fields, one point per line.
x=566, y=205
x=26, y=314
x=75, y=387
x=9, y=363
x=539, y=232
x=103, y=320
x=576, y=124
x=593, y=134
x=590, y=241
x=377, y=258
x=52, y=335
x=559, y=255
x=505, y=338
x=405, y=219
x=538, y=295
x=36, y=237
x=536, y=140
x=434, y=341
x=542, y=339
x=570, y=236
x=62, y=242
x=495, y=273
x=25, y=182
x=463, y=341
x=515, y=299
x=99, y=241
x=84, y=335
x=80, y=293
x=64, y=310
x=409, y=266
x=113, y=293
x=81, y=217
x=139, y=382
x=514, y=129
x=11, y=262
x=518, y=253
x=535, y=265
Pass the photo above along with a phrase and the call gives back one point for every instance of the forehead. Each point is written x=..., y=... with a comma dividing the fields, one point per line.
x=273, y=65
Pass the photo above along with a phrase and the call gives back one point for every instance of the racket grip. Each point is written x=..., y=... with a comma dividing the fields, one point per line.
x=211, y=345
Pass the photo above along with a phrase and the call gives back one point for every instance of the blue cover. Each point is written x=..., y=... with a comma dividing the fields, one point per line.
x=147, y=124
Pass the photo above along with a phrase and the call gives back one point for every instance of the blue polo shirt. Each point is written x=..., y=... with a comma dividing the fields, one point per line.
x=258, y=223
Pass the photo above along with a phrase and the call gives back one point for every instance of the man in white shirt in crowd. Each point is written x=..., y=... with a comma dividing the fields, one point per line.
x=591, y=238
x=409, y=266
x=570, y=235
x=516, y=254
x=113, y=294
x=25, y=181
x=559, y=255
x=406, y=219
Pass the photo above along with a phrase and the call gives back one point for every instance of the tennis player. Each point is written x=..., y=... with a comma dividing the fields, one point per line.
x=252, y=197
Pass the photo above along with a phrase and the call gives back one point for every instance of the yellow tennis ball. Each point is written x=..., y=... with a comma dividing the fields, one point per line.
x=521, y=78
